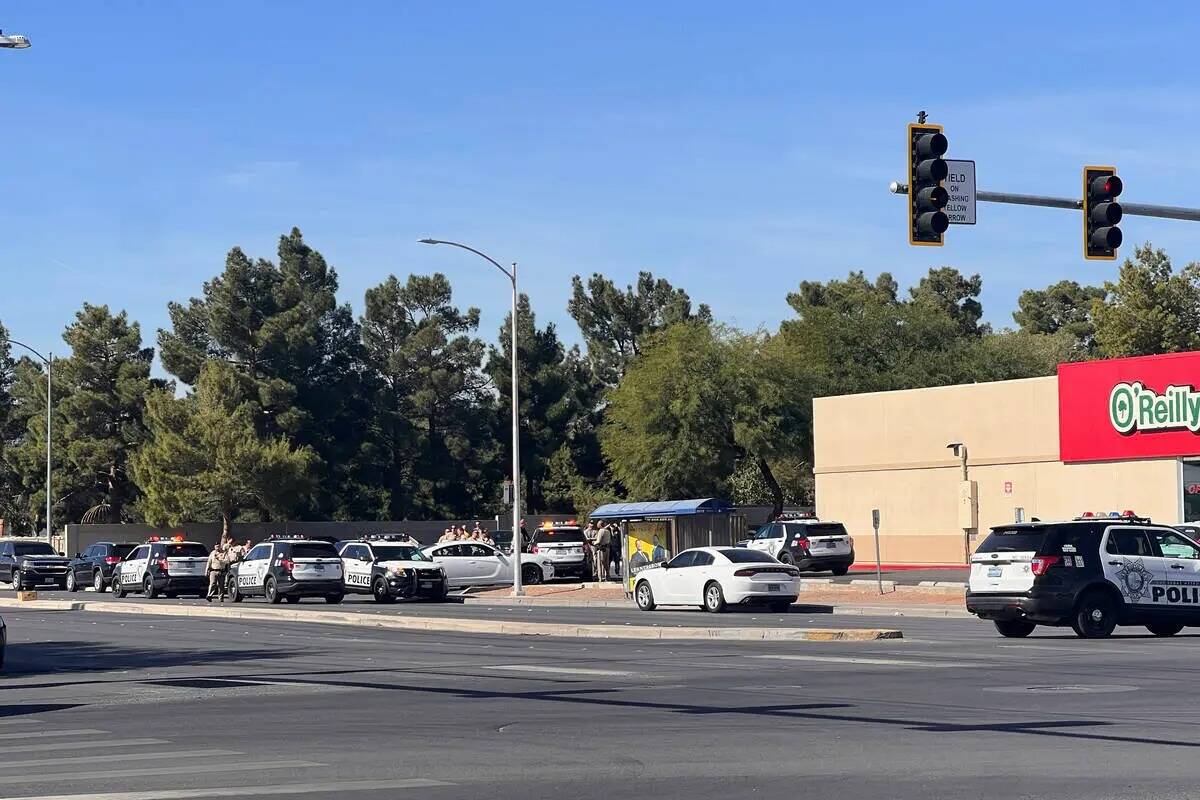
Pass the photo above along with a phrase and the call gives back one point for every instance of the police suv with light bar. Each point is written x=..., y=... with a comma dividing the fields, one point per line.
x=1092, y=573
x=289, y=567
x=388, y=566
x=163, y=565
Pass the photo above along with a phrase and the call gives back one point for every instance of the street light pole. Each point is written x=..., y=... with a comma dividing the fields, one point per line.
x=516, y=427
x=49, y=362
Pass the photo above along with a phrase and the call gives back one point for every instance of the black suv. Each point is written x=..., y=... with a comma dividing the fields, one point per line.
x=96, y=564
x=28, y=563
x=1092, y=573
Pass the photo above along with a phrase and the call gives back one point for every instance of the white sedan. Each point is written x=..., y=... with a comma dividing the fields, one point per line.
x=480, y=564
x=712, y=577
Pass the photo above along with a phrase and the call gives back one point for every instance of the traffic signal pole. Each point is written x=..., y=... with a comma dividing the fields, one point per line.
x=1134, y=209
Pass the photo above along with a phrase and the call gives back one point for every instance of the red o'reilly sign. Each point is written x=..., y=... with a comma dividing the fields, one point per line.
x=1126, y=408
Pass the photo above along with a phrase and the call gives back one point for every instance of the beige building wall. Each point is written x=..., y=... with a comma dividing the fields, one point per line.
x=887, y=450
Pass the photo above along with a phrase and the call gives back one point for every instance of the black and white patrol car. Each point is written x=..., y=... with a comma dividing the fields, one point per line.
x=807, y=543
x=1092, y=573
x=163, y=566
x=387, y=567
x=289, y=568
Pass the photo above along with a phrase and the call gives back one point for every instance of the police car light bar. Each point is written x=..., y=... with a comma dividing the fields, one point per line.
x=387, y=537
x=176, y=538
x=274, y=537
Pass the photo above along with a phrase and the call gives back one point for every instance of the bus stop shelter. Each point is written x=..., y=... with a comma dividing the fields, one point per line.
x=654, y=531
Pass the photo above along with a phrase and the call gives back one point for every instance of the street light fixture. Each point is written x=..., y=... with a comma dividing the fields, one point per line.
x=14, y=41
x=49, y=369
x=516, y=430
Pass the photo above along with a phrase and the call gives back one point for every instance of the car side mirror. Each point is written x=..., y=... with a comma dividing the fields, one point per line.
x=77, y=555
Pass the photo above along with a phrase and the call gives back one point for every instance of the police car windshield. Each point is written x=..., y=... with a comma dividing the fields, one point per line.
x=33, y=549
x=398, y=552
x=819, y=529
x=188, y=550
x=1013, y=540
x=568, y=535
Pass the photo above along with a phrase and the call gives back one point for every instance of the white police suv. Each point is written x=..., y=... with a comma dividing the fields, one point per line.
x=163, y=565
x=1091, y=573
x=387, y=566
x=289, y=567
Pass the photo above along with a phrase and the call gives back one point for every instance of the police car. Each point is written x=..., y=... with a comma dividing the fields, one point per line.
x=807, y=543
x=163, y=565
x=289, y=567
x=389, y=566
x=1093, y=573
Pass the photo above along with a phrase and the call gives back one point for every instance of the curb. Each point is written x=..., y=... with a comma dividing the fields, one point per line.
x=502, y=627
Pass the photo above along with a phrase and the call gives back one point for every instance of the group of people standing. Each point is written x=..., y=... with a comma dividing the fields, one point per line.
x=227, y=553
x=605, y=541
x=460, y=534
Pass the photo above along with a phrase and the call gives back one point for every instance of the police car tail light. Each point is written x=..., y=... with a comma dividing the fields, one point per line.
x=1040, y=564
x=112, y=560
x=162, y=564
x=287, y=564
x=802, y=541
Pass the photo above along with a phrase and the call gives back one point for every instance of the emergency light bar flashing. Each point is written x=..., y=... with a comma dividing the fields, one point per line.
x=387, y=537
x=176, y=538
x=1127, y=516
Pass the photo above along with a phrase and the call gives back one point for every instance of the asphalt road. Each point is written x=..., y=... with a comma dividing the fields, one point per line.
x=203, y=708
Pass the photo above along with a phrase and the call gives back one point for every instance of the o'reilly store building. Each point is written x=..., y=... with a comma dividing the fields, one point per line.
x=1098, y=436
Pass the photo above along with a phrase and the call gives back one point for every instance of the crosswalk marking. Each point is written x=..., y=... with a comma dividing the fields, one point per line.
x=45, y=734
x=337, y=787
x=179, y=769
x=110, y=758
x=599, y=673
x=880, y=662
x=58, y=747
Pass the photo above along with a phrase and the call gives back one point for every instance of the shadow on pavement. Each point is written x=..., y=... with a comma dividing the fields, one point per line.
x=40, y=658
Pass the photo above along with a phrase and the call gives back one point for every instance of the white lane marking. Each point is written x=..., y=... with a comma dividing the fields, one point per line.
x=246, y=791
x=599, y=673
x=109, y=759
x=85, y=745
x=879, y=662
x=181, y=769
x=45, y=734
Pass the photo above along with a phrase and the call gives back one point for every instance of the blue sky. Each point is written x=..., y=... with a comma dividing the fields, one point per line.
x=735, y=149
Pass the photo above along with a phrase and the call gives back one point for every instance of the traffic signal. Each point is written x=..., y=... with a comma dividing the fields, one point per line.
x=926, y=195
x=1101, y=213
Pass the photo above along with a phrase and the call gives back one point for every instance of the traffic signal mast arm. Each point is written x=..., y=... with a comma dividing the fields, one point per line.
x=1129, y=209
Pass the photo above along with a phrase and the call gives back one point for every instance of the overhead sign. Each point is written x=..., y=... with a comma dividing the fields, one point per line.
x=1144, y=407
x=960, y=183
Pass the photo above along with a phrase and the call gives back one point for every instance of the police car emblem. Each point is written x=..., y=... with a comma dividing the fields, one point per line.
x=1135, y=579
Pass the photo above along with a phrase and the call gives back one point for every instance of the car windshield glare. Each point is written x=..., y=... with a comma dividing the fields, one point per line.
x=33, y=549
x=744, y=556
x=399, y=553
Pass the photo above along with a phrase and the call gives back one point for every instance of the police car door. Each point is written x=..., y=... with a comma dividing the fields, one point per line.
x=252, y=571
x=768, y=539
x=357, y=563
x=1180, y=560
x=1130, y=564
x=133, y=567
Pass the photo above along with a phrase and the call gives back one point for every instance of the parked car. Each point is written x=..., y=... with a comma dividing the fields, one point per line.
x=289, y=568
x=29, y=563
x=167, y=566
x=480, y=564
x=565, y=547
x=714, y=577
x=809, y=544
x=96, y=565
x=388, y=570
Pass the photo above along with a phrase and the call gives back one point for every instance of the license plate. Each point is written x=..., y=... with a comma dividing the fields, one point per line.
x=995, y=572
x=426, y=584
x=774, y=587
x=831, y=544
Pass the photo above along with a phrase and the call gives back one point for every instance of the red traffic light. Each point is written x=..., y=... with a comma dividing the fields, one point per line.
x=1106, y=186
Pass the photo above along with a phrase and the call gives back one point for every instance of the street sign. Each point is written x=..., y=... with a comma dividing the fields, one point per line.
x=960, y=183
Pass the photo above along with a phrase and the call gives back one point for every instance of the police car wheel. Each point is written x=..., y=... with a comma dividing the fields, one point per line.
x=234, y=595
x=71, y=585
x=18, y=581
x=333, y=599
x=117, y=589
x=1095, y=616
x=1165, y=628
x=380, y=592
x=98, y=582
x=786, y=558
x=148, y=588
x=1014, y=628
x=644, y=596
x=270, y=591
x=714, y=598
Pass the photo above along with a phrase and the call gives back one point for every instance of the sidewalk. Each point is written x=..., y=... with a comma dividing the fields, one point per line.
x=860, y=598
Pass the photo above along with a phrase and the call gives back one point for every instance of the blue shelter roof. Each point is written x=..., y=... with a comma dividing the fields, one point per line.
x=662, y=508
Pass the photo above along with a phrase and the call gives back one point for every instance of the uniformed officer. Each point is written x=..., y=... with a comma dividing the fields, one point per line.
x=218, y=562
x=600, y=539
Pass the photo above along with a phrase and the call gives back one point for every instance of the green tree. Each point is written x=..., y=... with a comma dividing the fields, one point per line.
x=1151, y=308
x=1063, y=306
x=554, y=395
x=948, y=290
x=12, y=510
x=614, y=322
x=281, y=326
x=432, y=444
x=103, y=383
x=1008, y=354
x=208, y=456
